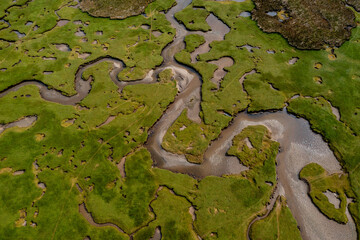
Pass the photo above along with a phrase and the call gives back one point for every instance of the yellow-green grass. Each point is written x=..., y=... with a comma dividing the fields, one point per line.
x=193, y=41
x=261, y=146
x=321, y=181
x=226, y=206
x=122, y=39
x=279, y=224
x=188, y=138
x=194, y=19
x=339, y=76
x=81, y=153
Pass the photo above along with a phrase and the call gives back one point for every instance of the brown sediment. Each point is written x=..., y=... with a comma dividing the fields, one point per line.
x=293, y=60
x=333, y=198
x=335, y=111
x=121, y=167
x=156, y=33
x=220, y=73
x=115, y=9
x=192, y=213
x=243, y=77
x=79, y=188
x=248, y=47
x=307, y=24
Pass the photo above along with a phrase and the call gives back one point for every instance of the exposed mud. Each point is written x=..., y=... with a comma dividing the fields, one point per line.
x=157, y=234
x=22, y=123
x=220, y=73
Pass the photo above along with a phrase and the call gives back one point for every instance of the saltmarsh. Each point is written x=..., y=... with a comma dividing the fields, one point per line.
x=75, y=147
x=325, y=80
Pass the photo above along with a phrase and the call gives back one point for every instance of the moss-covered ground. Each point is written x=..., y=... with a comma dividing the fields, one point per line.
x=193, y=41
x=253, y=146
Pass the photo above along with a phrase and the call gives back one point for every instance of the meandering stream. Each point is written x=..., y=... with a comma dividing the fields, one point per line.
x=299, y=144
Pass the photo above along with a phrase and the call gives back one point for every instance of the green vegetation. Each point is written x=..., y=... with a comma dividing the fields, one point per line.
x=303, y=24
x=189, y=138
x=253, y=146
x=246, y=196
x=279, y=224
x=166, y=75
x=126, y=203
x=273, y=99
x=334, y=82
x=38, y=52
x=320, y=182
x=72, y=154
x=82, y=153
x=340, y=137
x=193, y=41
x=194, y=19
x=355, y=4
x=173, y=217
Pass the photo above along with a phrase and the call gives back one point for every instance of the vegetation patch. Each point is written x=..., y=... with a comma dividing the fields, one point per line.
x=306, y=24
x=193, y=41
x=194, y=19
x=246, y=195
x=279, y=224
x=123, y=39
x=320, y=182
x=263, y=95
x=253, y=146
x=188, y=138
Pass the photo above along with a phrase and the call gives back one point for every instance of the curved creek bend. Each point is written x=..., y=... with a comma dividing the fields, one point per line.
x=299, y=144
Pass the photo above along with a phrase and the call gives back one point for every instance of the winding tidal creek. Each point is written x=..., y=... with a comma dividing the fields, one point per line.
x=299, y=145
